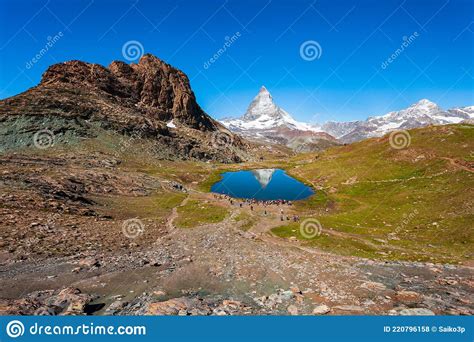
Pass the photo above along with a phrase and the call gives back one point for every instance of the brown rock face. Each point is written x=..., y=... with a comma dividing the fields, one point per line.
x=152, y=85
x=68, y=301
x=76, y=99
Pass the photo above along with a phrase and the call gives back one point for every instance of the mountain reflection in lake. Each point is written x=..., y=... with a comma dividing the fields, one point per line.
x=262, y=184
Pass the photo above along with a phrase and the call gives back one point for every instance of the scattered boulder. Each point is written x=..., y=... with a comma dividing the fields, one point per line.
x=115, y=307
x=292, y=310
x=416, y=312
x=219, y=312
x=68, y=301
x=353, y=308
x=321, y=310
x=169, y=307
x=447, y=281
x=183, y=306
x=408, y=297
x=372, y=285
x=88, y=262
x=273, y=300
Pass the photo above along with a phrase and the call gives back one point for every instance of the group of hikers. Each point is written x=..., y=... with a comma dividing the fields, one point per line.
x=253, y=203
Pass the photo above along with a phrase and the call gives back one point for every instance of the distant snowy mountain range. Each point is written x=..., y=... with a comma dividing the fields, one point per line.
x=422, y=113
x=264, y=120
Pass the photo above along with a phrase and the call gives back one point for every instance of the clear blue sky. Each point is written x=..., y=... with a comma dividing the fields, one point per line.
x=346, y=82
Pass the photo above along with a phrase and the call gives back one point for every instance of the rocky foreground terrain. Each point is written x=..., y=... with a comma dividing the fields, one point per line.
x=66, y=250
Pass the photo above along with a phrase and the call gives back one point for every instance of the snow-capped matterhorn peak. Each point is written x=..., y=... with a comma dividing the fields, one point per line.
x=262, y=104
x=264, y=114
x=266, y=122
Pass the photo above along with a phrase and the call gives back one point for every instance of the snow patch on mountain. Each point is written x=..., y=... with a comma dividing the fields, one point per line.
x=171, y=124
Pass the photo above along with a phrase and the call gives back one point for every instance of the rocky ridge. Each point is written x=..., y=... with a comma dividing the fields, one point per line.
x=150, y=99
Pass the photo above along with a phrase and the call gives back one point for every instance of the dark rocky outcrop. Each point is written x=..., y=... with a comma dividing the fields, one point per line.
x=64, y=302
x=76, y=97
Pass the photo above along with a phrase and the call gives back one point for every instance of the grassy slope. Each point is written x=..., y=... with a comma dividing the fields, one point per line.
x=156, y=206
x=195, y=213
x=400, y=207
x=418, y=208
